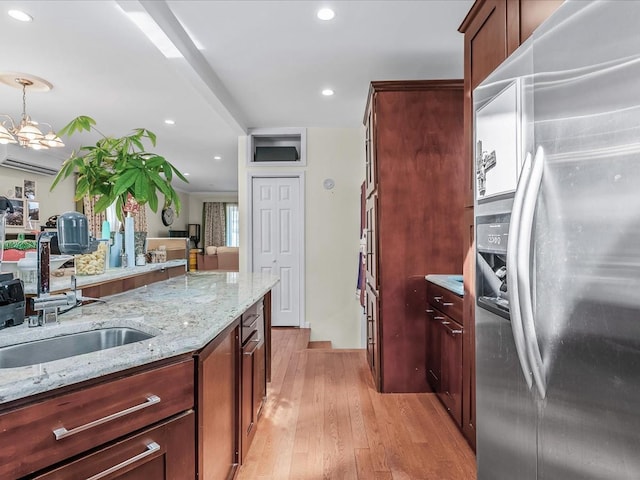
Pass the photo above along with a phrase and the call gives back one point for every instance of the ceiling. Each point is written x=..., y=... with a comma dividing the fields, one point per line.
x=256, y=64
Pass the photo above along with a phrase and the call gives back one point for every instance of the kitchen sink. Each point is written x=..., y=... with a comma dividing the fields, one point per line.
x=65, y=346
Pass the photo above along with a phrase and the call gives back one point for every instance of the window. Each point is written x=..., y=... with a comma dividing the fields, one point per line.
x=232, y=227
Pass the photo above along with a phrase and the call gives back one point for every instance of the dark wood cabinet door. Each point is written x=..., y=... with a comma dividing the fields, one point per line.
x=373, y=354
x=372, y=242
x=451, y=368
x=217, y=406
x=371, y=180
x=434, y=355
x=248, y=394
x=468, y=317
x=259, y=381
x=486, y=45
x=165, y=452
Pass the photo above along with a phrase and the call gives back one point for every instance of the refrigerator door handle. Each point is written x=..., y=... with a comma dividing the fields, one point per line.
x=512, y=269
x=524, y=274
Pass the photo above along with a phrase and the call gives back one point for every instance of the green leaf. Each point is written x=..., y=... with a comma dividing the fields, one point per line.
x=125, y=180
x=103, y=203
x=153, y=200
x=155, y=162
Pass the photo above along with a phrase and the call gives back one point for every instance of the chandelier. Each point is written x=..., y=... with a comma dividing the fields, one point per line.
x=27, y=133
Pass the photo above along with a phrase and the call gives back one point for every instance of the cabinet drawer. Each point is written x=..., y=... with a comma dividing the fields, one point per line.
x=47, y=432
x=166, y=451
x=445, y=301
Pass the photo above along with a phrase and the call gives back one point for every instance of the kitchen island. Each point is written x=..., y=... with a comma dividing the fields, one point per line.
x=183, y=313
x=181, y=388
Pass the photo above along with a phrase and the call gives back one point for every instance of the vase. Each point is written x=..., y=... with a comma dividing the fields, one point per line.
x=116, y=249
x=129, y=241
x=140, y=239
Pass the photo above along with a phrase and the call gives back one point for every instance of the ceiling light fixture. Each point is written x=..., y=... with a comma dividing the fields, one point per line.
x=20, y=16
x=217, y=157
x=169, y=122
x=26, y=133
x=327, y=92
x=326, y=14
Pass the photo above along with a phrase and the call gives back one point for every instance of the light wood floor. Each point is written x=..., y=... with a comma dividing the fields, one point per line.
x=324, y=420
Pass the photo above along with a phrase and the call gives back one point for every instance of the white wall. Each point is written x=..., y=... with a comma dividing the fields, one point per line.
x=155, y=227
x=332, y=230
x=58, y=201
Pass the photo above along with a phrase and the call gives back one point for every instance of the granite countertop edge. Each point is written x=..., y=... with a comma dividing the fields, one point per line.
x=184, y=313
x=452, y=282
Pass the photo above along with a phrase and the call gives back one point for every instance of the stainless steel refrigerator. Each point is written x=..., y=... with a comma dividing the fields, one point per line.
x=557, y=150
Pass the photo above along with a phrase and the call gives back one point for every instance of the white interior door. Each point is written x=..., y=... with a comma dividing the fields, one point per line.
x=276, y=225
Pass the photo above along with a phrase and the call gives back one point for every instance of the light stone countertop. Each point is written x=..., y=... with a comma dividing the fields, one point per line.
x=453, y=283
x=185, y=313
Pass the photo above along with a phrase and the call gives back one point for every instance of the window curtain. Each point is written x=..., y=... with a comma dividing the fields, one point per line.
x=95, y=219
x=213, y=220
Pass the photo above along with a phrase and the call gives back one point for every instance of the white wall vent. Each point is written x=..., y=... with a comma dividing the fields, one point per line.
x=29, y=160
x=277, y=147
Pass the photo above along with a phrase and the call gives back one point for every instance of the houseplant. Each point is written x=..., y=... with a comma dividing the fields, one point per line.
x=117, y=168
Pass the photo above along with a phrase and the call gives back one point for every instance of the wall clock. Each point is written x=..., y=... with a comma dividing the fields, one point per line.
x=167, y=216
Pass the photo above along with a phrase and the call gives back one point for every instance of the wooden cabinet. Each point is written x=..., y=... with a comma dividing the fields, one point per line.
x=144, y=423
x=120, y=285
x=414, y=204
x=493, y=30
x=469, y=340
x=371, y=261
x=373, y=357
x=164, y=452
x=445, y=348
x=434, y=355
x=450, y=392
x=369, y=148
x=253, y=388
x=50, y=431
x=217, y=407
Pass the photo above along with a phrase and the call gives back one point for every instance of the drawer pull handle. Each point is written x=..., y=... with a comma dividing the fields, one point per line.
x=437, y=299
x=255, y=347
x=439, y=318
x=250, y=321
x=62, y=432
x=447, y=304
x=151, y=449
x=429, y=310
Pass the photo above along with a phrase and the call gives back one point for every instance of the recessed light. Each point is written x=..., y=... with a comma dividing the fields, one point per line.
x=217, y=157
x=186, y=174
x=327, y=92
x=326, y=14
x=20, y=16
x=170, y=122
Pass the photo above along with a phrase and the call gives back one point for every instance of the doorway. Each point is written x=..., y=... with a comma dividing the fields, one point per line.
x=277, y=242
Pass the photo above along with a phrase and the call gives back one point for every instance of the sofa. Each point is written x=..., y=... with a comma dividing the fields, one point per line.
x=225, y=259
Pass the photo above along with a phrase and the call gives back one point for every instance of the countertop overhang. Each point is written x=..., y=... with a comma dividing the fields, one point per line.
x=184, y=313
x=453, y=283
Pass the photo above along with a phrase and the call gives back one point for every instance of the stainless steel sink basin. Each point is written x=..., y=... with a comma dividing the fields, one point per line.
x=64, y=346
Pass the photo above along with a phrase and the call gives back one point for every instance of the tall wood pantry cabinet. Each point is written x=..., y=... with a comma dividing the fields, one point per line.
x=414, y=203
x=493, y=30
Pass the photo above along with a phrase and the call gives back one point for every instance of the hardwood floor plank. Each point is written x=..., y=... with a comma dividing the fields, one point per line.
x=324, y=420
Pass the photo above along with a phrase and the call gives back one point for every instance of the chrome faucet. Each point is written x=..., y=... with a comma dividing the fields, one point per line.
x=73, y=238
x=44, y=304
